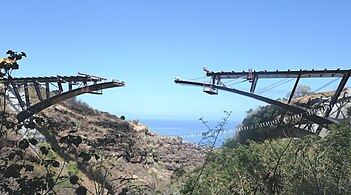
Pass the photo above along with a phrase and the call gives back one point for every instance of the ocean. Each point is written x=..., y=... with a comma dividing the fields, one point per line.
x=190, y=130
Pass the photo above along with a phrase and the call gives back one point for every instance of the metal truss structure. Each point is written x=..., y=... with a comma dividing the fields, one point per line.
x=324, y=120
x=76, y=85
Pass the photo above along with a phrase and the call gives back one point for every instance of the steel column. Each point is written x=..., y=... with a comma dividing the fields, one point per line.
x=293, y=90
x=59, y=84
x=47, y=89
x=37, y=89
x=26, y=94
x=254, y=83
x=18, y=96
x=69, y=86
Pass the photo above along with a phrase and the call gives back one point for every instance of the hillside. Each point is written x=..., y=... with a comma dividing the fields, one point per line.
x=278, y=158
x=109, y=155
x=122, y=156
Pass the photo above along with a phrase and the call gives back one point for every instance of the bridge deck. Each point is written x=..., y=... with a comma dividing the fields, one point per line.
x=61, y=79
x=280, y=74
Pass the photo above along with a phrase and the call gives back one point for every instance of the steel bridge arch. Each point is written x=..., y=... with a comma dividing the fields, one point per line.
x=322, y=121
x=31, y=110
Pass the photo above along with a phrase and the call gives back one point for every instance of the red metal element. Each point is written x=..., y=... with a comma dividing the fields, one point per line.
x=249, y=75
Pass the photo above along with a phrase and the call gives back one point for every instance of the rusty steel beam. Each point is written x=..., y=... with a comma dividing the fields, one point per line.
x=30, y=111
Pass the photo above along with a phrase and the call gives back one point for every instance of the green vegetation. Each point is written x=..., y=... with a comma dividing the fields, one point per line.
x=308, y=165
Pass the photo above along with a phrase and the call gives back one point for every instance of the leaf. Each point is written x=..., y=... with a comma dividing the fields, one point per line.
x=10, y=125
x=82, y=154
x=33, y=141
x=63, y=139
x=29, y=168
x=97, y=157
x=30, y=125
x=81, y=190
x=13, y=171
x=44, y=150
x=51, y=183
x=11, y=155
x=19, y=126
x=10, y=52
x=18, y=57
x=23, y=144
x=85, y=156
x=73, y=179
x=76, y=140
x=55, y=163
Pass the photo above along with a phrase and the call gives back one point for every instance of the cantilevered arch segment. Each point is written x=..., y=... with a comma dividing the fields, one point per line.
x=293, y=109
x=30, y=111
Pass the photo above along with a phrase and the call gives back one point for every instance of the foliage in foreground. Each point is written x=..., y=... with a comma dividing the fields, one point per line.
x=308, y=165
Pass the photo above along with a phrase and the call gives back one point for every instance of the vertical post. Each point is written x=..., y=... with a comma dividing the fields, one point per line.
x=60, y=86
x=254, y=83
x=294, y=88
x=47, y=87
x=70, y=85
x=37, y=89
x=26, y=94
x=18, y=96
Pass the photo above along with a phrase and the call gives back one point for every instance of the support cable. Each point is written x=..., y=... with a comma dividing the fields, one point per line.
x=315, y=91
x=329, y=83
x=234, y=80
x=264, y=88
x=276, y=85
x=196, y=79
x=231, y=85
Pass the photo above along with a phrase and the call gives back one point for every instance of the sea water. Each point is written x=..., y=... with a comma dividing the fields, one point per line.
x=191, y=130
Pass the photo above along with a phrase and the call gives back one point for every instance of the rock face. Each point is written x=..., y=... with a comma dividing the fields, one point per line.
x=134, y=156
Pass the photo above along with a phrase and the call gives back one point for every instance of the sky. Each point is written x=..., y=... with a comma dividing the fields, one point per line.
x=149, y=43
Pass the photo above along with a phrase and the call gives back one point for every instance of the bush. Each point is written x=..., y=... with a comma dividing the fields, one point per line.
x=308, y=165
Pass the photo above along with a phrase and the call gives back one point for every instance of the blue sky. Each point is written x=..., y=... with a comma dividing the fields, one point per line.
x=148, y=43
